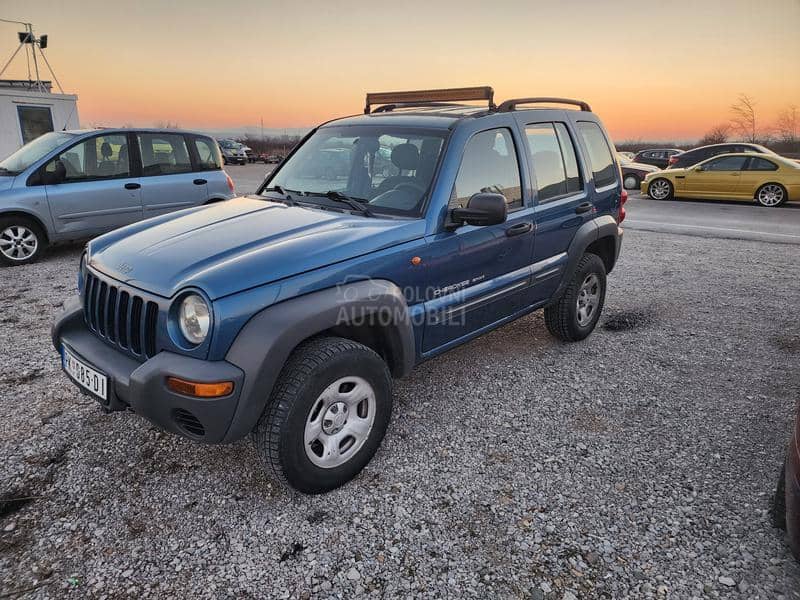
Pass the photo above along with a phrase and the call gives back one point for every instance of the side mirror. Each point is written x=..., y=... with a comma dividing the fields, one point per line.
x=699, y=168
x=484, y=208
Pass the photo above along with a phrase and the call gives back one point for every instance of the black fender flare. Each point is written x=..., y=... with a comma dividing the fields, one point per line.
x=269, y=337
x=587, y=234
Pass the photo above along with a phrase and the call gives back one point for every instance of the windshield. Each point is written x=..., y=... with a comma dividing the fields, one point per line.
x=229, y=145
x=390, y=168
x=33, y=151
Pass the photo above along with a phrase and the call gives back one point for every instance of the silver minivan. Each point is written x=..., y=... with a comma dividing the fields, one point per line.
x=71, y=185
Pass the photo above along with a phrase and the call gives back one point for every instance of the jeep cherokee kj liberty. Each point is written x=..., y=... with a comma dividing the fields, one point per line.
x=286, y=314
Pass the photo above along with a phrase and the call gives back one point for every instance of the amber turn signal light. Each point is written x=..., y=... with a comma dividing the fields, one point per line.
x=200, y=390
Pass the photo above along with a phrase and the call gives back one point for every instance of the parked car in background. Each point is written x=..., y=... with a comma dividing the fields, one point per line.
x=628, y=155
x=248, y=151
x=69, y=185
x=274, y=159
x=284, y=318
x=633, y=173
x=768, y=179
x=696, y=155
x=232, y=152
x=658, y=157
x=786, y=502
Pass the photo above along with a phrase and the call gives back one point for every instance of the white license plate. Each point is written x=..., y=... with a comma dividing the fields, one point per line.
x=84, y=375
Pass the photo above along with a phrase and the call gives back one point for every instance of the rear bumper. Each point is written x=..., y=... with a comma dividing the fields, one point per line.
x=793, y=494
x=141, y=387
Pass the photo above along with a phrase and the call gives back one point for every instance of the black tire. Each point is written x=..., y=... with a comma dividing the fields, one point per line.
x=778, y=510
x=637, y=182
x=312, y=367
x=10, y=223
x=784, y=195
x=671, y=189
x=561, y=318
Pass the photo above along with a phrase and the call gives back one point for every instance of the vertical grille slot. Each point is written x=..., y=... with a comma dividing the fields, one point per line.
x=122, y=314
x=150, y=323
x=102, y=309
x=136, y=325
x=111, y=321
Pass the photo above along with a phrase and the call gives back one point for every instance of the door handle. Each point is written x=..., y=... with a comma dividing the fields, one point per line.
x=582, y=208
x=519, y=229
x=132, y=186
x=199, y=182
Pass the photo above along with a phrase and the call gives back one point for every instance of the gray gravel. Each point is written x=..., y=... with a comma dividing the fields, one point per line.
x=639, y=463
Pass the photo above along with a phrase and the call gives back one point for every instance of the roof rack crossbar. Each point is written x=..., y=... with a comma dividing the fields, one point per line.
x=510, y=105
x=429, y=97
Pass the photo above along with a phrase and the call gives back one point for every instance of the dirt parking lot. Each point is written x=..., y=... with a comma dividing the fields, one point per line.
x=638, y=463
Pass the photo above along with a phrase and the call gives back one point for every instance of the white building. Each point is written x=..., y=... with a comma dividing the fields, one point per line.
x=26, y=112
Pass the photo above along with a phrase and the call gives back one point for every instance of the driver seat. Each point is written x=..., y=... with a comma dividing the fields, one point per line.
x=406, y=158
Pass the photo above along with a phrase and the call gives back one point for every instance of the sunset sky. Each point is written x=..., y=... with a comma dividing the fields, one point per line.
x=651, y=70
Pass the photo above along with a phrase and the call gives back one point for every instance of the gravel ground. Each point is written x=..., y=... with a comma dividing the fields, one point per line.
x=639, y=463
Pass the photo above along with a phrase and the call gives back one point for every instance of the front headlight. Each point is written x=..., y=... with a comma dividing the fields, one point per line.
x=194, y=319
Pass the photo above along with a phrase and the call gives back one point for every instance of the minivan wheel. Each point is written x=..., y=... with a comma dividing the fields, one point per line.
x=771, y=194
x=631, y=182
x=327, y=415
x=21, y=241
x=660, y=189
x=576, y=313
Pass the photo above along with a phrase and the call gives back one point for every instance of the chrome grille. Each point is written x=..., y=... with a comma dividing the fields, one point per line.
x=121, y=317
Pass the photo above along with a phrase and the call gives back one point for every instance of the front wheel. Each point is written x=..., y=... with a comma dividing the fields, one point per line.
x=661, y=189
x=327, y=415
x=576, y=313
x=631, y=182
x=21, y=241
x=770, y=195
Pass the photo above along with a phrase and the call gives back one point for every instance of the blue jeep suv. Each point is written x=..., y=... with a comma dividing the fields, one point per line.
x=286, y=314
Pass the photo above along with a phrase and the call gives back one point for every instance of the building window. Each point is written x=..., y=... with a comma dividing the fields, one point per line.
x=34, y=121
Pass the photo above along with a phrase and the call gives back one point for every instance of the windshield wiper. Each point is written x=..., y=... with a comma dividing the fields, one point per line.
x=287, y=198
x=354, y=203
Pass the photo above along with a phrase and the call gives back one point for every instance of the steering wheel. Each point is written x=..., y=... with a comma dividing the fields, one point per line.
x=411, y=186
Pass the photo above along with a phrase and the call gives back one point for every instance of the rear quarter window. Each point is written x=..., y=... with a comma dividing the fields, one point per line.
x=600, y=159
x=208, y=156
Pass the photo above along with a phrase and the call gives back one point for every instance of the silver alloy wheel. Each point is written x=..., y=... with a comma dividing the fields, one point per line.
x=588, y=299
x=659, y=189
x=18, y=242
x=631, y=182
x=339, y=422
x=770, y=195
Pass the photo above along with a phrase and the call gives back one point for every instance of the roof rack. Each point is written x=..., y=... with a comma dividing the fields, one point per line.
x=510, y=105
x=441, y=97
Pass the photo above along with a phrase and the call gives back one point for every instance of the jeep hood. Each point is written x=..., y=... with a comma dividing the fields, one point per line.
x=231, y=246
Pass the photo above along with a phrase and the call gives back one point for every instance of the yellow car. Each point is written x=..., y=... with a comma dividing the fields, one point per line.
x=768, y=179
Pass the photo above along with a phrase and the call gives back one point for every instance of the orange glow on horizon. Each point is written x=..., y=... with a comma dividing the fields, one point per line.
x=209, y=66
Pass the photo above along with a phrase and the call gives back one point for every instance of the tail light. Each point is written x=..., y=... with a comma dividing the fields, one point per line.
x=230, y=183
x=623, y=198
x=673, y=160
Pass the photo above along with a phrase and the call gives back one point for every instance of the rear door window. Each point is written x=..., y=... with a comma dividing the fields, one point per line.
x=163, y=154
x=553, y=160
x=490, y=165
x=599, y=153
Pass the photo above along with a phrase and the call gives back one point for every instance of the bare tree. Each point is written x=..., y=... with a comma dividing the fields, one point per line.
x=716, y=135
x=166, y=125
x=743, y=120
x=788, y=124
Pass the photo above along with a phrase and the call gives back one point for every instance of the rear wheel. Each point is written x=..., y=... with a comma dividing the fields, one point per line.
x=327, y=415
x=661, y=189
x=771, y=194
x=576, y=313
x=21, y=241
